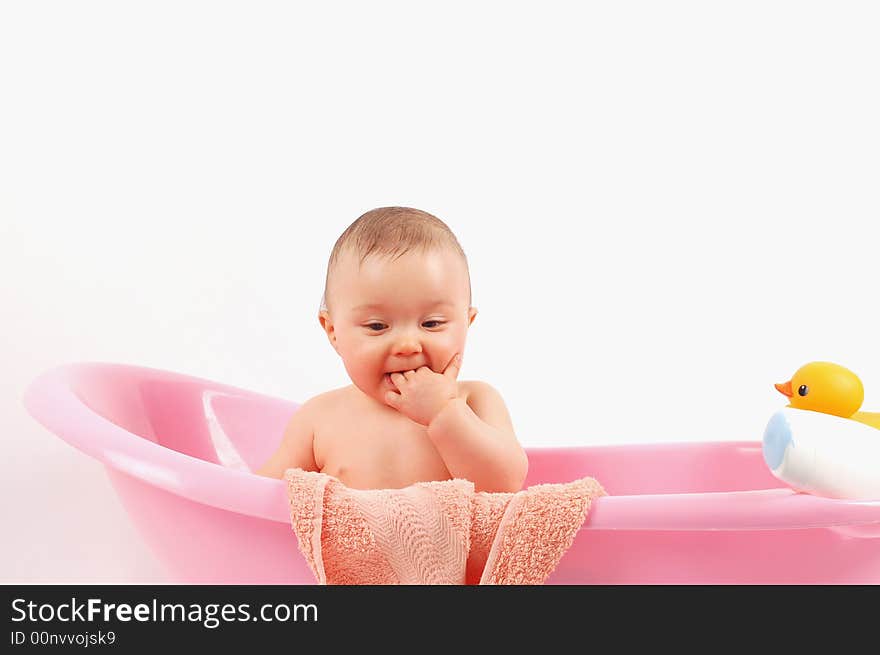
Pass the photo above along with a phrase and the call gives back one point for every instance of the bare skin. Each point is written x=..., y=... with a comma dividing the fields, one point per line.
x=406, y=418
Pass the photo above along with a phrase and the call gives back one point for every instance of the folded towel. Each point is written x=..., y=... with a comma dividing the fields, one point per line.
x=434, y=532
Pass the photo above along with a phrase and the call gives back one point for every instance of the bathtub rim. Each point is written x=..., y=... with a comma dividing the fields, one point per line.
x=52, y=401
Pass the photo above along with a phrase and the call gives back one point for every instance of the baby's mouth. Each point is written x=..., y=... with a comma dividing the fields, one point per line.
x=388, y=375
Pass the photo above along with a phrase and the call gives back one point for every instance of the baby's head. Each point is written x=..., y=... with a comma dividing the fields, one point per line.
x=397, y=297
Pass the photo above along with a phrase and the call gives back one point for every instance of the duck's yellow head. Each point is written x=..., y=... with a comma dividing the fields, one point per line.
x=824, y=387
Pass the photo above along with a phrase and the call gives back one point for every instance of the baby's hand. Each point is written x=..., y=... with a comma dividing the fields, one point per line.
x=423, y=393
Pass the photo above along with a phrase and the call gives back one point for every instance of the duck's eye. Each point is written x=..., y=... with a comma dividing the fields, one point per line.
x=803, y=390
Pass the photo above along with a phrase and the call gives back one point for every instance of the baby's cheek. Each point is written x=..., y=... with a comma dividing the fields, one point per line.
x=362, y=369
x=454, y=345
x=367, y=360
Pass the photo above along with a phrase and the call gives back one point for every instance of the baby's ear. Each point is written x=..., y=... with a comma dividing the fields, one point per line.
x=327, y=325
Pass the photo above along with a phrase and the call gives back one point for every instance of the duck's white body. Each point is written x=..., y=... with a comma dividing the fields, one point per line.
x=823, y=454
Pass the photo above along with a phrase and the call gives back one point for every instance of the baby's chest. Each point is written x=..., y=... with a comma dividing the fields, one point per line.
x=371, y=453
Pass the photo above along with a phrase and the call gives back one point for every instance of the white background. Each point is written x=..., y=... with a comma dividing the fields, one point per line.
x=667, y=207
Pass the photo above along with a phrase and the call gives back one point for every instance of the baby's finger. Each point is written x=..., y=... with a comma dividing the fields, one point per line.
x=453, y=367
x=409, y=374
x=397, y=378
x=393, y=399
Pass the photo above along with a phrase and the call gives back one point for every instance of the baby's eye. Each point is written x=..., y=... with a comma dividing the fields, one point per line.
x=437, y=324
x=376, y=327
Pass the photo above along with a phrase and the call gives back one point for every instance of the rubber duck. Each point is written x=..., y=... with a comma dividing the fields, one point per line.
x=820, y=443
x=828, y=388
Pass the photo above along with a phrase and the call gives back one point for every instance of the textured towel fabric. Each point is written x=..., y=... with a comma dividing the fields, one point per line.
x=434, y=532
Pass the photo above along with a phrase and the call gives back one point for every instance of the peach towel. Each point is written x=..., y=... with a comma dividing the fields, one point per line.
x=434, y=532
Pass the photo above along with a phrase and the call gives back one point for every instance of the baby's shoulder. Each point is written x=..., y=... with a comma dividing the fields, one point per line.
x=328, y=401
x=339, y=406
x=487, y=403
x=477, y=390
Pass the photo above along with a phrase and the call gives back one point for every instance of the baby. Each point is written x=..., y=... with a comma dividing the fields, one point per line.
x=397, y=308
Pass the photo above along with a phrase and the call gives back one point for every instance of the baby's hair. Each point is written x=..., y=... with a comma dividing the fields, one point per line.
x=392, y=232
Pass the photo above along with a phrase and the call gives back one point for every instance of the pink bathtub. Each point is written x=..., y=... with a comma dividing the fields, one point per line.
x=178, y=451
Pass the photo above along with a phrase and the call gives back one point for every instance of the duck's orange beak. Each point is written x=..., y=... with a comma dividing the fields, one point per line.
x=784, y=388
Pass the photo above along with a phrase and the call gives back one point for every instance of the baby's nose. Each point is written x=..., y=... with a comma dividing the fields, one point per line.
x=407, y=344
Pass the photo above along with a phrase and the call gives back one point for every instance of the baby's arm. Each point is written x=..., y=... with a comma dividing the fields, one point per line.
x=477, y=442
x=295, y=450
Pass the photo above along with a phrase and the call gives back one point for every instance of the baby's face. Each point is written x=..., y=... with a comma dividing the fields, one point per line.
x=397, y=315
